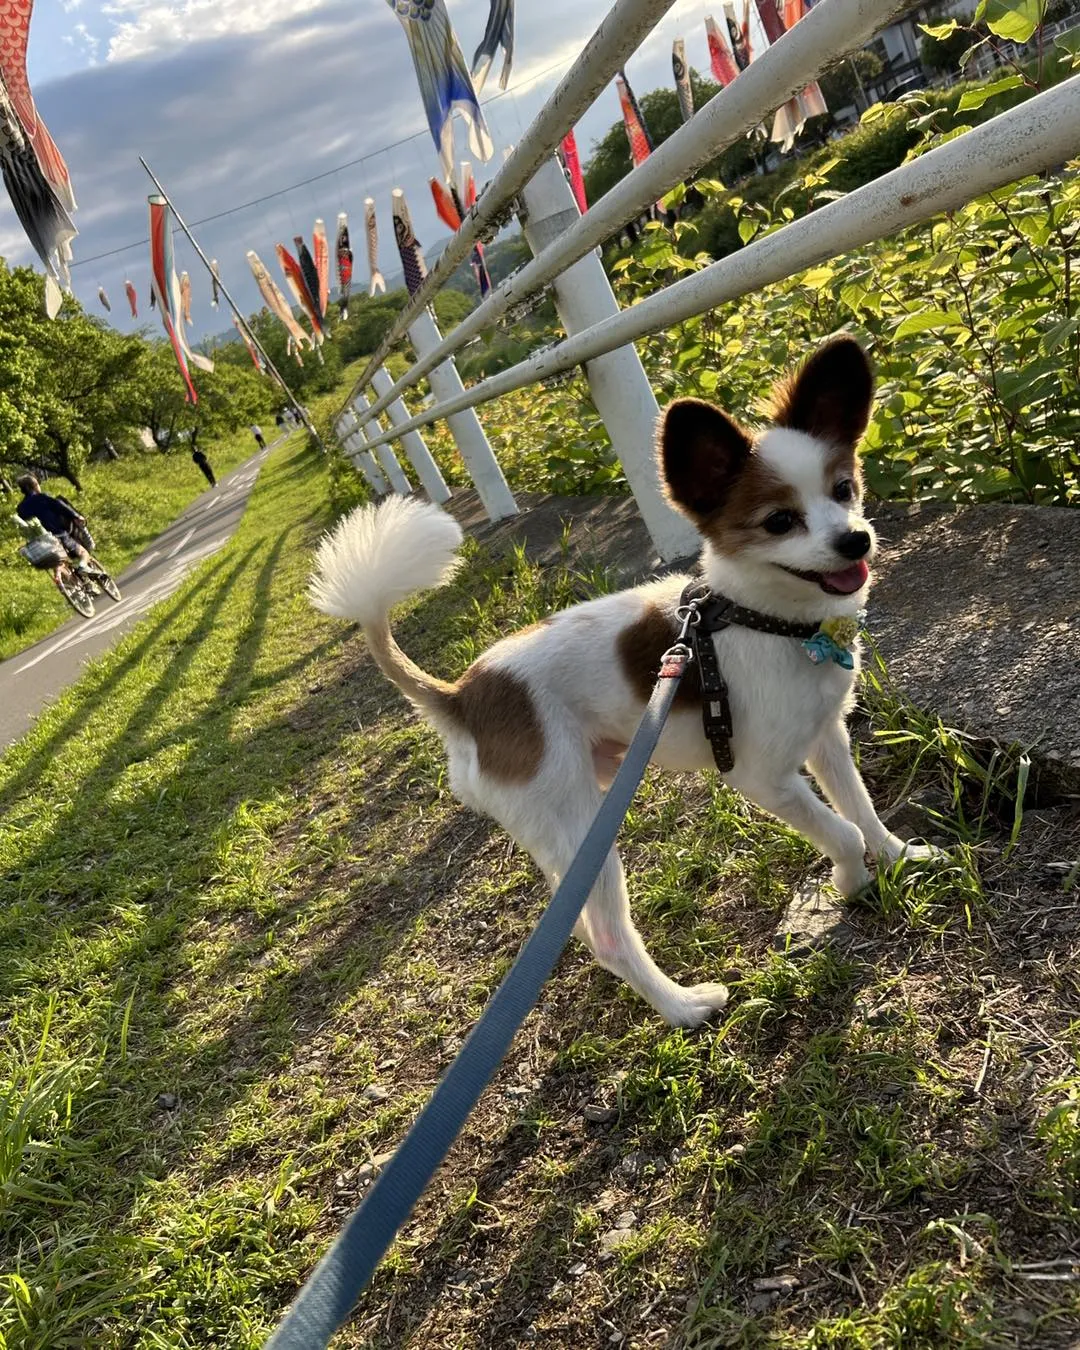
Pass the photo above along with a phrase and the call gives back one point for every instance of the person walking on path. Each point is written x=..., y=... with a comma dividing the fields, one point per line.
x=204, y=464
x=256, y=431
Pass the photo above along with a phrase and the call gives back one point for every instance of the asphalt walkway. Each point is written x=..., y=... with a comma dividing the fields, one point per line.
x=34, y=677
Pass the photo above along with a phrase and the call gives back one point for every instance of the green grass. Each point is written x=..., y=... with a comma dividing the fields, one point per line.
x=235, y=892
x=128, y=503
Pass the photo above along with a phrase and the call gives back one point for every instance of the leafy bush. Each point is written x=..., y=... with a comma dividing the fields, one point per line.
x=972, y=322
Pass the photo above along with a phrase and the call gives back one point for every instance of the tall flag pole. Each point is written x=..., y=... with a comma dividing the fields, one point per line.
x=223, y=289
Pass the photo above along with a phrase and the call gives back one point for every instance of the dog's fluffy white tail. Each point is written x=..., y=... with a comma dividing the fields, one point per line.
x=380, y=555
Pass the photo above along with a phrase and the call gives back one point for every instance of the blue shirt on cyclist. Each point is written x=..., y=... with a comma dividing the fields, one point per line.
x=56, y=516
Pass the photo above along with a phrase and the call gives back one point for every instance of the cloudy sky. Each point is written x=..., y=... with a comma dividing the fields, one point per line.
x=231, y=100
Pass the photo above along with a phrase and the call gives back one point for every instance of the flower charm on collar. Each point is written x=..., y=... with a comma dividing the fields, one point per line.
x=833, y=642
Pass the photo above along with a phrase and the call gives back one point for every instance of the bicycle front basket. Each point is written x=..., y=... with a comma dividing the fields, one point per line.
x=43, y=552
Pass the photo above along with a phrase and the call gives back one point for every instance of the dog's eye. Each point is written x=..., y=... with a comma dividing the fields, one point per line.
x=779, y=522
x=844, y=491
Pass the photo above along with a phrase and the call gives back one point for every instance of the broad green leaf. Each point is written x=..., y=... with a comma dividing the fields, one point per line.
x=1056, y=337
x=975, y=98
x=1014, y=20
x=852, y=295
x=926, y=321
x=971, y=52
x=748, y=228
x=1070, y=44
x=939, y=30
x=817, y=277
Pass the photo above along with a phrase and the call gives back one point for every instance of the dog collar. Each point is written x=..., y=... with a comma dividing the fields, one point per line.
x=718, y=612
x=829, y=640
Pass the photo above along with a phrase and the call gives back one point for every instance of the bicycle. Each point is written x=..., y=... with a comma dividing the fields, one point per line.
x=45, y=553
x=80, y=532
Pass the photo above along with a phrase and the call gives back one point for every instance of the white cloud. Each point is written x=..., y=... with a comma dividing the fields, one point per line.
x=90, y=42
x=226, y=119
x=81, y=37
x=68, y=5
x=146, y=27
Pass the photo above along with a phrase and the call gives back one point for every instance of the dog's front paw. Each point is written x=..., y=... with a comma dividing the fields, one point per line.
x=851, y=878
x=697, y=1005
x=895, y=848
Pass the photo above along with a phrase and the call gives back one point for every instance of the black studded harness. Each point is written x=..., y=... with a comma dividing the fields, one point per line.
x=714, y=613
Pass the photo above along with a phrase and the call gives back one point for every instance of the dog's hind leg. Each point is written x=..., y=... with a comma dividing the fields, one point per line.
x=550, y=820
x=614, y=940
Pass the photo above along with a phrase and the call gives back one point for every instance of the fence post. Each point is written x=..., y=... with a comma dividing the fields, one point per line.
x=386, y=457
x=364, y=462
x=413, y=443
x=468, y=434
x=618, y=384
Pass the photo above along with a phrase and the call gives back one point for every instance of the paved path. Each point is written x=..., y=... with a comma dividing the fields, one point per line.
x=37, y=675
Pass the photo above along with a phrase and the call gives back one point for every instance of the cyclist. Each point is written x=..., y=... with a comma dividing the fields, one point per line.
x=57, y=516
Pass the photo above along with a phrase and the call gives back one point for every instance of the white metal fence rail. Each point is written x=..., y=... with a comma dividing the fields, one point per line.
x=1039, y=134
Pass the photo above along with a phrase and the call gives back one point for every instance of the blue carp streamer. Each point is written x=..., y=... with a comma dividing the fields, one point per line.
x=445, y=83
x=499, y=33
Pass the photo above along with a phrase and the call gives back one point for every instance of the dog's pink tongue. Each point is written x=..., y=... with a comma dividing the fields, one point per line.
x=848, y=579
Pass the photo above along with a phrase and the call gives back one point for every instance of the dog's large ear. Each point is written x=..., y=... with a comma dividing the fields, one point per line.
x=702, y=452
x=830, y=396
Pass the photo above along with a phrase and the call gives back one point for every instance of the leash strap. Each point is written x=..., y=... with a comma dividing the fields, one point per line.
x=333, y=1287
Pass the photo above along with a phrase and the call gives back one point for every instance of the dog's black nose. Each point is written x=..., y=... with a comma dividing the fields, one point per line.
x=853, y=544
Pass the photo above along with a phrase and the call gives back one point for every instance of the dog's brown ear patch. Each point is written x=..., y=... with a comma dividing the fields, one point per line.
x=702, y=454
x=830, y=396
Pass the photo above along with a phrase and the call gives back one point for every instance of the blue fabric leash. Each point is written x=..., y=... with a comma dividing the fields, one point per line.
x=334, y=1285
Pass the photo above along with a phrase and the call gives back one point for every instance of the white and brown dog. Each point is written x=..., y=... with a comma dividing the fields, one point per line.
x=535, y=727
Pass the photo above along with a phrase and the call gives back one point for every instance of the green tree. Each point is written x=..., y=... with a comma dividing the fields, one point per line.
x=840, y=85
x=66, y=384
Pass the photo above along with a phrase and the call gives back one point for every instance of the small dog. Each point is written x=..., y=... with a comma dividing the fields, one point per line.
x=535, y=728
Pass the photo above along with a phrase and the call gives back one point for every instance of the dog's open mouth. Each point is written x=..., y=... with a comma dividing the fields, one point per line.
x=844, y=582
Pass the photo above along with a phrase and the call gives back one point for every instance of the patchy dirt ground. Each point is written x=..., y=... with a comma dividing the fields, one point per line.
x=244, y=928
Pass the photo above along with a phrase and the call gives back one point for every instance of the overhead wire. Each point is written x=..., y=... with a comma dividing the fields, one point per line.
x=317, y=177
